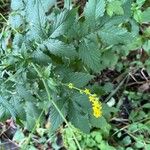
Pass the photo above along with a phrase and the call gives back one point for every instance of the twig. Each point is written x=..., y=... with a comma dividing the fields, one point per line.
x=144, y=74
x=117, y=88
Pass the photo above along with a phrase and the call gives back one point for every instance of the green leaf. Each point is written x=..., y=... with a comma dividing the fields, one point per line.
x=52, y=84
x=98, y=136
x=98, y=122
x=59, y=48
x=147, y=146
x=139, y=144
x=106, y=111
x=115, y=7
x=115, y=35
x=19, y=136
x=108, y=87
x=32, y=115
x=147, y=34
x=93, y=10
x=127, y=140
x=3, y=113
x=41, y=58
x=63, y=22
x=83, y=102
x=18, y=40
x=36, y=9
x=146, y=15
x=47, y=71
x=140, y=2
x=127, y=8
x=134, y=28
x=138, y=15
x=35, y=14
x=15, y=20
x=55, y=118
x=79, y=79
x=24, y=93
x=104, y=146
x=77, y=119
x=90, y=54
x=117, y=20
x=110, y=59
x=146, y=105
x=133, y=127
x=17, y=4
x=17, y=104
x=7, y=106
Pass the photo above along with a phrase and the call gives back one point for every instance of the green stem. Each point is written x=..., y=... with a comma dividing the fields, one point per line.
x=3, y=17
x=29, y=137
x=8, y=22
x=67, y=4
x=49, y=98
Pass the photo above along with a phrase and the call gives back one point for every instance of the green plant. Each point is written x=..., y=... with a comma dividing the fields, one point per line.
x=94, y=140
x=44, y=48
x=47, y=48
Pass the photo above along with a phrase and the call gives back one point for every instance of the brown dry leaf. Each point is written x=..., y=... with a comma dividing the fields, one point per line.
x=144, y=87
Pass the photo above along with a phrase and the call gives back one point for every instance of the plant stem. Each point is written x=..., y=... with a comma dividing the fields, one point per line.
x=29, y=137
x=8, y=22
x=49, y=98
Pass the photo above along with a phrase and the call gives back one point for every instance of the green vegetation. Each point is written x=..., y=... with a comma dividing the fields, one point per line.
x=59, y=62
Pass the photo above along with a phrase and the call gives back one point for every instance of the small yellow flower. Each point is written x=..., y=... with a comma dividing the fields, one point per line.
x=97, y=113
x=97, y=110
x=96, y=106
x=87, y=92
x=94, y=95
x=91, y=98
x=71, y=86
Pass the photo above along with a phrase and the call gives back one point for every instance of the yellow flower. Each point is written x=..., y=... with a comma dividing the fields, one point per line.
x=97, y=109
x=87, y=92
x=70, y=85
x=97, y=113
x=93, y=98
x=94, y=95
x=96, y=106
